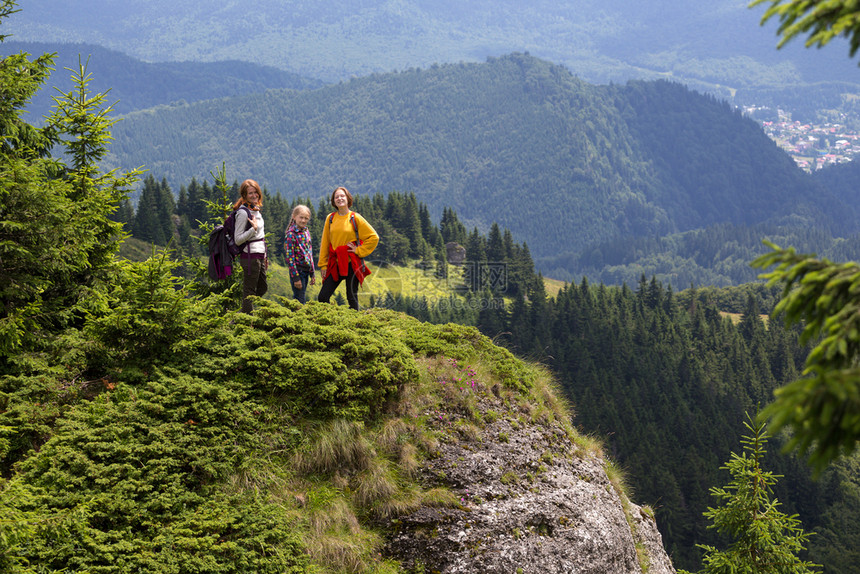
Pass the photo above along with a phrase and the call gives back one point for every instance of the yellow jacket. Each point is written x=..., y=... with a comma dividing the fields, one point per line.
x=339, y=231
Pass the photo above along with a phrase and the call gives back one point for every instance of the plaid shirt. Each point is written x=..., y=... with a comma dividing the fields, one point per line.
x=298, y=249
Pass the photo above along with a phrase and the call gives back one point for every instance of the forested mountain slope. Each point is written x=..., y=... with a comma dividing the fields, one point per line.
x=136, y=85
x=842, y=181
x=561, y=163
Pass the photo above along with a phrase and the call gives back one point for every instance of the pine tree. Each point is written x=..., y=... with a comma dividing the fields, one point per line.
x=823, y=409
x=187, y=241
x=82, y=121
x=540, y=312
x=68, y=248
x=147, y=224
x=441, y=272
x=764, y=539
x=751, y=325
x=28, y=261
x=411, y=226
x=520, y=325
x=20, y=79
x=166, y=209
x=495, y=245
x=209, y=193
x=476, y=259
x=182, y=202
x=124, y=214
x=508, y=240
x=451, y=228
x=277, y=216
x=521, y=271
x=197, y=197
x=428, y=230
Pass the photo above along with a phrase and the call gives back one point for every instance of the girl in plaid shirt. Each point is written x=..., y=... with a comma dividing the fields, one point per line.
x=299, y=252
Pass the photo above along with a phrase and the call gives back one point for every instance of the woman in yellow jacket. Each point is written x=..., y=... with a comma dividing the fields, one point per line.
x=346, y=240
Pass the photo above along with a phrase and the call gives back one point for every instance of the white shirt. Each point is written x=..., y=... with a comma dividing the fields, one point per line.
x=250, y=234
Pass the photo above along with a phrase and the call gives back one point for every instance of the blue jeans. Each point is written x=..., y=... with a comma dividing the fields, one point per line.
x=299, y=293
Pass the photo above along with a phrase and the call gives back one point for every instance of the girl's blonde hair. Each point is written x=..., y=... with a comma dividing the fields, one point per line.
x=297, y=209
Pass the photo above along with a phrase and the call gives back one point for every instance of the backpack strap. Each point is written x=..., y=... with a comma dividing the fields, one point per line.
x=248, y=221
x=355, y=227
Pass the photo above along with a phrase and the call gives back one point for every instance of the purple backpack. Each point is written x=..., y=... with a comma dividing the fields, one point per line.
x=223, y=248
x=229, y=226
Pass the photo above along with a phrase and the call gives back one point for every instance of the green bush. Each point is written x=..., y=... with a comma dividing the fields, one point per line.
x=138, y=319
x=319, y=360
x=461, y=343
x=147, y=461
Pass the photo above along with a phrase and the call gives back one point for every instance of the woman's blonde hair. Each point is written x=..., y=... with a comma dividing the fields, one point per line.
x=247, y=186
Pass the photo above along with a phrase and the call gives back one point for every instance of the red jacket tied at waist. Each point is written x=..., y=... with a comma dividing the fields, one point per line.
x=339, y=260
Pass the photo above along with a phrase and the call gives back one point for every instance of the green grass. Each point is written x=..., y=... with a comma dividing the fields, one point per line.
x=553, y=286
x=405, y=280
x=135, y=249
x=397, y=280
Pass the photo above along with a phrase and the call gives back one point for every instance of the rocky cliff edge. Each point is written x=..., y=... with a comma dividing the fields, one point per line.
x=535, y=498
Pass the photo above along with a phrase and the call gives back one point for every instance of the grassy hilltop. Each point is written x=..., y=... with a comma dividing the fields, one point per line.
x=268, y=443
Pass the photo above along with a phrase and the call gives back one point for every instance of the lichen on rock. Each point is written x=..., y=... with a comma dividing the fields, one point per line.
x=532, y=499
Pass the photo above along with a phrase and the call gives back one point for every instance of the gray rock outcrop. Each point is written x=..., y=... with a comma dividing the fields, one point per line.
x=532, y=502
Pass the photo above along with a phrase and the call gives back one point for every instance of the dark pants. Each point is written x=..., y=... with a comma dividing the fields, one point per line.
x=254, y=281
x=299, y=293
x=329, y=285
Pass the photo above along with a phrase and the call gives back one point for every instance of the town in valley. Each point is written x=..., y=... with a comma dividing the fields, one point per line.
x=812, y=146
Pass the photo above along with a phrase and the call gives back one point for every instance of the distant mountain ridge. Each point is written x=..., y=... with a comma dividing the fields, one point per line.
x=561, y=163
x=136, y=85
x=716, y=47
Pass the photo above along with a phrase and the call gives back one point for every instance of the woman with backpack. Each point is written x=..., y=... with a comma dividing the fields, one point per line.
x=252, y=238
x=346, y=240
